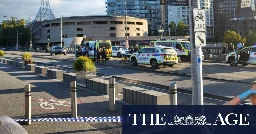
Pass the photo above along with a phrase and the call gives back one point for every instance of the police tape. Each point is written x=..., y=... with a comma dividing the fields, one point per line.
x=80, y=119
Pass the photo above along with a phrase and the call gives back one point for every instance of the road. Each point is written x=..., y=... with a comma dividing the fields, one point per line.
x=215, y=87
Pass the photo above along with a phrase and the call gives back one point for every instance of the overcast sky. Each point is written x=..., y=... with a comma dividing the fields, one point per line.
x=29, y=8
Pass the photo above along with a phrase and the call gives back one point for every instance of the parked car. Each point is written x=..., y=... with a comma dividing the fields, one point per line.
x=58, y=50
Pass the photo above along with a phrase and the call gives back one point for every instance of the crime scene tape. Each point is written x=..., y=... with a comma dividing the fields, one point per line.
x=80, y=119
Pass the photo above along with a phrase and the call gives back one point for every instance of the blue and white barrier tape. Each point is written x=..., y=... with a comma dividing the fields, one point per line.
x=80, y=119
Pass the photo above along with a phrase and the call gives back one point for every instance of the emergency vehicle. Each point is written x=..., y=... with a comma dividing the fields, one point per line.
x=155, y=56
x=246, y=55
x=182, y=47
x=94, y=45
x=119, y=51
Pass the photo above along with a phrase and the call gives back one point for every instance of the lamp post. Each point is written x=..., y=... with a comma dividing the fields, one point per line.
x=161, y=30
x=48, y=44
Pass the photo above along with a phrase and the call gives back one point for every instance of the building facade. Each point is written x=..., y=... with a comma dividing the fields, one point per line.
x=94, y=27
x=244, y=23
x=146, y=9
x=225, y=10
x=181, y=13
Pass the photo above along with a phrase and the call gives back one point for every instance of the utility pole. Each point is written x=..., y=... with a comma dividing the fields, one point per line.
x=17, y=43
x=196, y=53
x=61, y=31
x=126, y=36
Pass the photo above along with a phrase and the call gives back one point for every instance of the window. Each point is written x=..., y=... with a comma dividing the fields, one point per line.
x=144, y=50
x=100, y=22
x=48, y=31
x=128, y=34
x=112, y=28
x=112, y=35
x=137, y=34
x=137, y=29
x=79, y=29
x=127, y=28
x=65, y=36
x=79, y=35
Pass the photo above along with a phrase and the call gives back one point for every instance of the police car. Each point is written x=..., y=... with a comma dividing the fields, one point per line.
x=155, y=56
x=118, y=51
x=246, y=55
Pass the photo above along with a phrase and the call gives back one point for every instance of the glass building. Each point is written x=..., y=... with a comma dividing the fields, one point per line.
x=146, y=9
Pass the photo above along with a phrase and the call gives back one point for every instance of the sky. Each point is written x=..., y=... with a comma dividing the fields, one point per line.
x=25, y=9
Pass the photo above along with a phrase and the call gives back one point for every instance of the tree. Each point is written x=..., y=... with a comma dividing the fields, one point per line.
x=173, y=28
x=251, y=39
x=232, y=37
x=182, y=29
x=9, y=30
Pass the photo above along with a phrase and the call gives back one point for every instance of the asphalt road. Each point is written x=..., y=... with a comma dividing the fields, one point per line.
x=220, y=88
x=215, y=70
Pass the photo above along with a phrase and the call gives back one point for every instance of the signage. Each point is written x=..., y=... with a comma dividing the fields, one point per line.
x=175, y=2
x=200, y=39
x=199, y=20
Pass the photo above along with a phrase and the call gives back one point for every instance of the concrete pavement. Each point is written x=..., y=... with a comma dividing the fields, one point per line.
x=12, y=84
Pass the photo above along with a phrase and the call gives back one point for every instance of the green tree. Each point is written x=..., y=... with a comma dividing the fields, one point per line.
x=182, y=29
x=251, y=39
x=173, y=28
x=9, y=30
x=232, y=37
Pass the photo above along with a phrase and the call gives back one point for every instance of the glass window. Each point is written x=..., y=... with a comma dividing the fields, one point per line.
x=168, y=50
x=253, y=49
x=143, y=50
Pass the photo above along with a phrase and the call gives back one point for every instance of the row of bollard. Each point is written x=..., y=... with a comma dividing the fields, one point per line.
x=73, y=94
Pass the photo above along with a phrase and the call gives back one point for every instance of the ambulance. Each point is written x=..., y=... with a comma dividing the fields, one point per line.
x=155, y=56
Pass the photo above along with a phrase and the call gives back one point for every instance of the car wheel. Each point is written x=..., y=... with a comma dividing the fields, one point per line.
x=183, y=58
x=232, y=61
x=65, y=54
x=170, y=65
x=245, y=64
x=119, y=55
x=134, y=61
x=51, y=53
x=153, y=63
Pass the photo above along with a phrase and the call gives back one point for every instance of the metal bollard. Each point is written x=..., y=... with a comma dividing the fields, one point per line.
x=28, y=104
x=173, y=93
x=112, y=97
x=73, y=99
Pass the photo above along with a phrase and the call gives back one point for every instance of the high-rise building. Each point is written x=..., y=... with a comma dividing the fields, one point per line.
x=181, y=13
x=225, y=10
x=146, y=9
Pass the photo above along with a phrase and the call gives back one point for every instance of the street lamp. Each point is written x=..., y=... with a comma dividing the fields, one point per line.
x=48, y=44
x=161, y=30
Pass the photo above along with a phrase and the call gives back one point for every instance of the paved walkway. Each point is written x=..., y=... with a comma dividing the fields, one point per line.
x=12, y=82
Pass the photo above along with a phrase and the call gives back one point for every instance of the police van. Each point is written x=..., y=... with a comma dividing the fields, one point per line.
x=155, y=56
x=245, y=56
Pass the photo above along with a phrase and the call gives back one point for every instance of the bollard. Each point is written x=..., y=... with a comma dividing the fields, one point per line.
x=28, y=104
x=112, y=98
x=173, y=93
x=73, y=99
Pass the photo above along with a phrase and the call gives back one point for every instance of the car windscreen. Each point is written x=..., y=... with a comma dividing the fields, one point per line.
x=58, y=47
x=105, y=44
x=168, y=50
x=166, y=44
x=253, y=49
x=186, y=45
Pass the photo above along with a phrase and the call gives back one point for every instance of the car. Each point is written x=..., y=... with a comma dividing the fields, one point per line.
x=119, y=51
x=245, y=56
x=155, y=56
x=58, y=50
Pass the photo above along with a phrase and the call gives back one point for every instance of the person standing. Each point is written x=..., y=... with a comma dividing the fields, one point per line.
x=224, y=48
x=239, y=46
x=98, y=55
x=83, y=50
x=104, y=55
